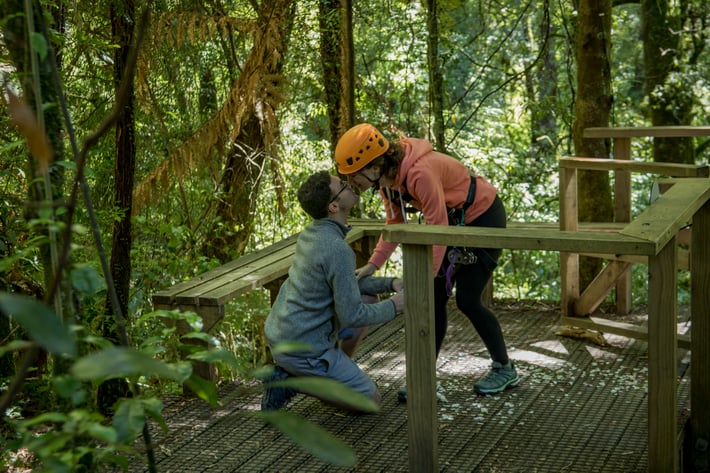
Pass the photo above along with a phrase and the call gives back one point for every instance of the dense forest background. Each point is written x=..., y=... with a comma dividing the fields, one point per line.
x=143, y=143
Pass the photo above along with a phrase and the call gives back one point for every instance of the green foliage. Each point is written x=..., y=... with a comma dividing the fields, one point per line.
x=311, y=438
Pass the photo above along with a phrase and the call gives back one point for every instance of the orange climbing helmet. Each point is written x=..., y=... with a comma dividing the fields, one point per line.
x=359, y=146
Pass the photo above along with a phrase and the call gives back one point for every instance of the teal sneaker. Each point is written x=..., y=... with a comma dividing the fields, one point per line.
x=498, y=379
x=440, y=394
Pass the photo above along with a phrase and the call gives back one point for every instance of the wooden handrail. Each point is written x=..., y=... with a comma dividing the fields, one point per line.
x=647, y=131
x=604, y=164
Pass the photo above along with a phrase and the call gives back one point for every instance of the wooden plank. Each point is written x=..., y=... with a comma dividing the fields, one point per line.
x=682, y=258
x=662, y=361
x=700, y=316
x=421, y=358
x=244, y=280
x=237, y=280
x=637, y=332
x=598, y=289
x=622, y=213
x=665, y=169
x=167, y=296
x=528, y=239
x=673, y=210
x=270, y=268
x=569, y=221
x=191, y=290
x=646, y=131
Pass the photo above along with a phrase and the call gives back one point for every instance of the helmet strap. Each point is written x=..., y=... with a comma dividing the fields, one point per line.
x=375, y=182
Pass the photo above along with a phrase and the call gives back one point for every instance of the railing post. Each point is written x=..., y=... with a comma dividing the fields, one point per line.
x=569, y=262
x=422, y=419
x=662, y=360
x=622, y=213
x=700, y=348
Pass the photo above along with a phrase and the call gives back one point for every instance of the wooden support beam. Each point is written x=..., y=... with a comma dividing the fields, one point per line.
x=622, y=213
x=700, y=349
x=637, y=332
x=662, y=361
x=422, y=420
x=600, y=287
x=569, y=221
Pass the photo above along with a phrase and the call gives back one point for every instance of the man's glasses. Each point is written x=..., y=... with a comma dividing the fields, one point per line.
x=345, y=186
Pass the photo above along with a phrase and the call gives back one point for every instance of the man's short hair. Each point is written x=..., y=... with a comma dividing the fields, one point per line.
x=314, y=194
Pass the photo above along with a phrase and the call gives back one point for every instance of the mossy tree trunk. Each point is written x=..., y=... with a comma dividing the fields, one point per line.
x=337, y=59
x=670, y=98
x=253, y=150
x=436, y=79
x=592, y=108
x=123, y=16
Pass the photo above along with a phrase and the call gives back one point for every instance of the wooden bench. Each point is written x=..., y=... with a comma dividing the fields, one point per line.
x=208, y=293
x=653, y=235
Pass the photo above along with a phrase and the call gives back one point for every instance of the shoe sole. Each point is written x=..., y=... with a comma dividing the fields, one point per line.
x=513, y=383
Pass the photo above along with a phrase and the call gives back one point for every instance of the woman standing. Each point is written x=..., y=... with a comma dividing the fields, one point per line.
x=410, y=174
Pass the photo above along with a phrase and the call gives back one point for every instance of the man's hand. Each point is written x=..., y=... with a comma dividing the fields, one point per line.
x=397, y=285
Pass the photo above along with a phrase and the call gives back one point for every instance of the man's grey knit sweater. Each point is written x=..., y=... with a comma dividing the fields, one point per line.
x=321, y=294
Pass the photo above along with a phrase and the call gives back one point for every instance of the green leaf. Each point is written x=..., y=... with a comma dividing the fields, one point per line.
x=39, y=44
x=311, y=438
x=40, y=322
x=55, y=417
x=286, y=347
x=15, y=345
x=102, y=433
x=330, y=390
x=154, y=408
x=204, y=389
x=86, y=279
x=120, y=362
x=220, y=355
x=69, y=388
x=129, y=419
x=203, y=336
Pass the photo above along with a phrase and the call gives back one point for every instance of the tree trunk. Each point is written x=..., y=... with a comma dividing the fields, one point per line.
x=336, y=50
x=122, y=23
x=542, y=92
x=254, y=148
x=44, y=190
x=436, y=80
x=670, y=100
x=592, y=108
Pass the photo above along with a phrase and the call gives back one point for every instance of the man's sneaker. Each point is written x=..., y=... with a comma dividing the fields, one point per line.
x=276, y=397
x=498, y=379
x=440, y=394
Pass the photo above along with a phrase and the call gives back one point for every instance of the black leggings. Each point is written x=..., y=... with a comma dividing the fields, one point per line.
x=470, y=280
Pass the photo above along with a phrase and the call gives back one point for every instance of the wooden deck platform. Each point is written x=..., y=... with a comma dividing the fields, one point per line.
x=581, y=407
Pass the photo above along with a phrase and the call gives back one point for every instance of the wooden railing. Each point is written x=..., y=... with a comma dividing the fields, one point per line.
x=621, y=151
x=653, y=235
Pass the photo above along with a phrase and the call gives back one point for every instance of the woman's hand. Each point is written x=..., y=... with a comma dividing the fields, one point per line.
x=365, y=271
x=398, y=300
